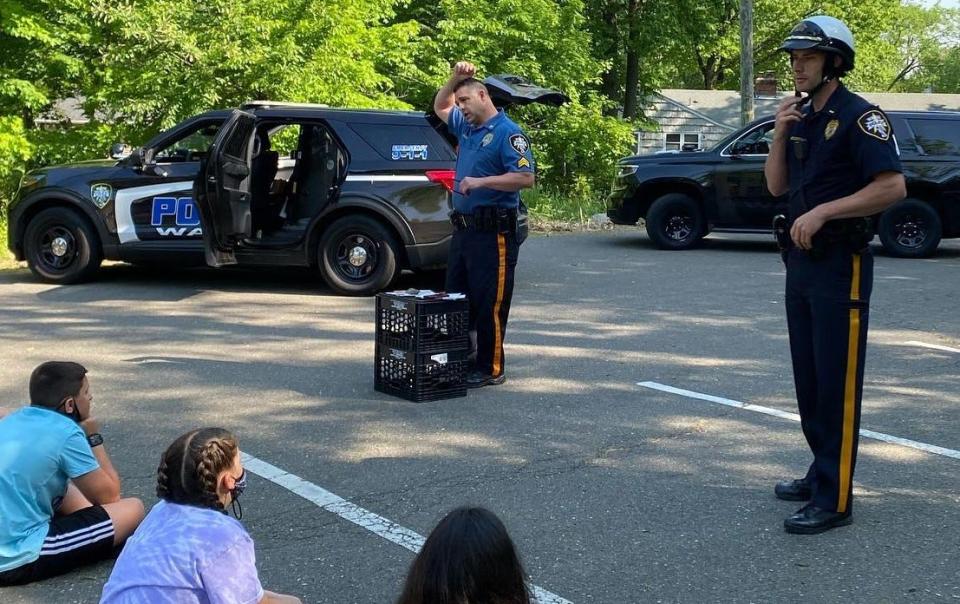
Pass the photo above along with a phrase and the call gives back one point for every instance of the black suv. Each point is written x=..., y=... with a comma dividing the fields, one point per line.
x=684, y=196
x=359, y=194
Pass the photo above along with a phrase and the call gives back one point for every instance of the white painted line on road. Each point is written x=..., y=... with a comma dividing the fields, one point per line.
x=896, y=440
x=389, y=530
x=932, y=346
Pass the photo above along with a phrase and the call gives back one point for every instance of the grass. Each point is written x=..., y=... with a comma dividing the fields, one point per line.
x=548, y=207
x=7, y=261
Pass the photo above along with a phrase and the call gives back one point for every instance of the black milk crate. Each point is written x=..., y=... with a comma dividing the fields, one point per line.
x=418, y=376
x=422, y=324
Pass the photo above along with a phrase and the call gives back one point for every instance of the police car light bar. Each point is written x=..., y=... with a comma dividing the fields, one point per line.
x=444, y=177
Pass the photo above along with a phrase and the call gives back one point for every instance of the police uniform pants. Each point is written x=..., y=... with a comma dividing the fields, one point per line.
x=828, y=301
x=481, y=265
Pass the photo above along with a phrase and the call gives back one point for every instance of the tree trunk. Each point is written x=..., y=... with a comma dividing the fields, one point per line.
x=632, y=75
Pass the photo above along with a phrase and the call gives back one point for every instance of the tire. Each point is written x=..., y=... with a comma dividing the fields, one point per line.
x=910, y=229
x=675, y=222
x=353, y=239
x=61, y=246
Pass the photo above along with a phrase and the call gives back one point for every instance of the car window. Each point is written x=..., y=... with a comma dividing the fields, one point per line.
x=936, y=137
x=906, y=144
x=191, y=146
x=397, y=143
x=755, y=142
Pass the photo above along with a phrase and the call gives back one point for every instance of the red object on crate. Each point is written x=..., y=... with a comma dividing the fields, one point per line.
x=422, y=346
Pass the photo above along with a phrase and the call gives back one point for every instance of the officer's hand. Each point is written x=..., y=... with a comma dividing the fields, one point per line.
x=469, y=183
x=805, y=227
x=787, y=115
x=463, y=70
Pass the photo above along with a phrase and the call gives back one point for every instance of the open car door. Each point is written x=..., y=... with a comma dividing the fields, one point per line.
x=222, y=189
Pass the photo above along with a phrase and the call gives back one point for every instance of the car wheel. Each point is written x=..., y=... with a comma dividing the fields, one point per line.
x=675, y=222
x=910, y=229
x=62, y=247
x=358, y=256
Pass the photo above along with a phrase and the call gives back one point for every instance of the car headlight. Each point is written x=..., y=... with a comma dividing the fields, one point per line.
x=30, y=181
x=626, y=170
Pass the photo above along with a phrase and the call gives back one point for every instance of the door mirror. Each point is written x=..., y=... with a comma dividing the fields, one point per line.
x=120, y=150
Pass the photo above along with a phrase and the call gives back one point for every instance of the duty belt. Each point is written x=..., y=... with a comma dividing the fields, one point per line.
x=486, y=219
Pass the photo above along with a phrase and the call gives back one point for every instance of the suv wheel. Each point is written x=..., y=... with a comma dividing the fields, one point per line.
x=358, y=256
x=910, y=229
x=675, y=222
x=62, y=247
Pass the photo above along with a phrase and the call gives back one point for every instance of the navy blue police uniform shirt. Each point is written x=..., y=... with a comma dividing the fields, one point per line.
x=494, y=148
x=848, y=143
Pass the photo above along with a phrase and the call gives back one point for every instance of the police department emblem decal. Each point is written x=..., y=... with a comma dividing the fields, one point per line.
x=831, y=129
x=100, y=194
x=875, y=124
x=519, y=143
x=487, y=139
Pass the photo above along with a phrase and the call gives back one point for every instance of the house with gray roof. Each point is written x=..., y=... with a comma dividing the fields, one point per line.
x=701, y=118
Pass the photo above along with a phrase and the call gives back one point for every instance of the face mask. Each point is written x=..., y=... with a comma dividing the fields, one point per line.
x=74, y=415
x=238, y=486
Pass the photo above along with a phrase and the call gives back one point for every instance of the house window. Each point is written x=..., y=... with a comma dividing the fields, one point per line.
x=676, y=141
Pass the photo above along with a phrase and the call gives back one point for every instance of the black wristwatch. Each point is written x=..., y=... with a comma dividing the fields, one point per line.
x=95, y=439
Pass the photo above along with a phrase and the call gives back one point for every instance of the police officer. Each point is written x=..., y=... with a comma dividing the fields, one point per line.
x=838, y=159
x=493, y=164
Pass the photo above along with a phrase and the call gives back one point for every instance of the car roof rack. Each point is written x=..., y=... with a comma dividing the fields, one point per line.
x=268, y=104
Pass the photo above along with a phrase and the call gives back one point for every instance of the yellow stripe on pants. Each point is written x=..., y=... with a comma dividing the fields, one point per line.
x=850, y=390
x=501, y=285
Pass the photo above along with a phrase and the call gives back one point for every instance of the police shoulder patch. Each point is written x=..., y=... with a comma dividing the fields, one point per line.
x=519, y=143
x=875, y=123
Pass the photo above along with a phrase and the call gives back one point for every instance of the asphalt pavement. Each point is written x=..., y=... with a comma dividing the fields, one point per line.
x=613, y=492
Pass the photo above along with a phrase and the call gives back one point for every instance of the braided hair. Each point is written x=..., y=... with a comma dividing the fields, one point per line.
x=189, y=468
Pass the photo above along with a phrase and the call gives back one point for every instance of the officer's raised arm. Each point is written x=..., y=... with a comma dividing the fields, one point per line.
x=445, y=100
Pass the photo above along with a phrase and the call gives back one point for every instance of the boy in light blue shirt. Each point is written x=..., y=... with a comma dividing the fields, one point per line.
x=60, y=504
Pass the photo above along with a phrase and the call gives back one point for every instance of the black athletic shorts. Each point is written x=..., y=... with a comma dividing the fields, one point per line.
x=83, y=537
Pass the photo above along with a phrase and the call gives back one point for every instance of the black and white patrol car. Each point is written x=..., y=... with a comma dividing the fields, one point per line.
x=358, y=194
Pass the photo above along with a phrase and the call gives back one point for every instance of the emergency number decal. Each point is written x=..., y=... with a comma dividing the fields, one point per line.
x=519, y=143
x=875, y=124
x=414, y=152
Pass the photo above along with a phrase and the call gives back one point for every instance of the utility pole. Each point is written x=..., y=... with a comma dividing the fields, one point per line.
x=746, y=62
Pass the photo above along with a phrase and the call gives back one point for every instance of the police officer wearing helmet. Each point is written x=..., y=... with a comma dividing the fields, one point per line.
x=838, y=160
x=494, y=163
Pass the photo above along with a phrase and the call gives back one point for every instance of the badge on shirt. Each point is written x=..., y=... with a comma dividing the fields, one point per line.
x=875, y=124
x=487, y=139
x=523, y=163
x=831, y=129
x=519, y=143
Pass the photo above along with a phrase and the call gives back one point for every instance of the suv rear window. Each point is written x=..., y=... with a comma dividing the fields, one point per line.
x=401, y=143
x=936, y=137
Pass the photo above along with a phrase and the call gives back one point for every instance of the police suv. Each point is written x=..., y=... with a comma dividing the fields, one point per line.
x=358, y=194
x=684, y=196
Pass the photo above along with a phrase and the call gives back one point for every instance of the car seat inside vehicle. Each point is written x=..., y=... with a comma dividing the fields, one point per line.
x=286, y=194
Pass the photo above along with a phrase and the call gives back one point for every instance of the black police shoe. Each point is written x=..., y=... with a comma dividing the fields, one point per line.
x=794, y=490
x=810, y=520
x=478, y=379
